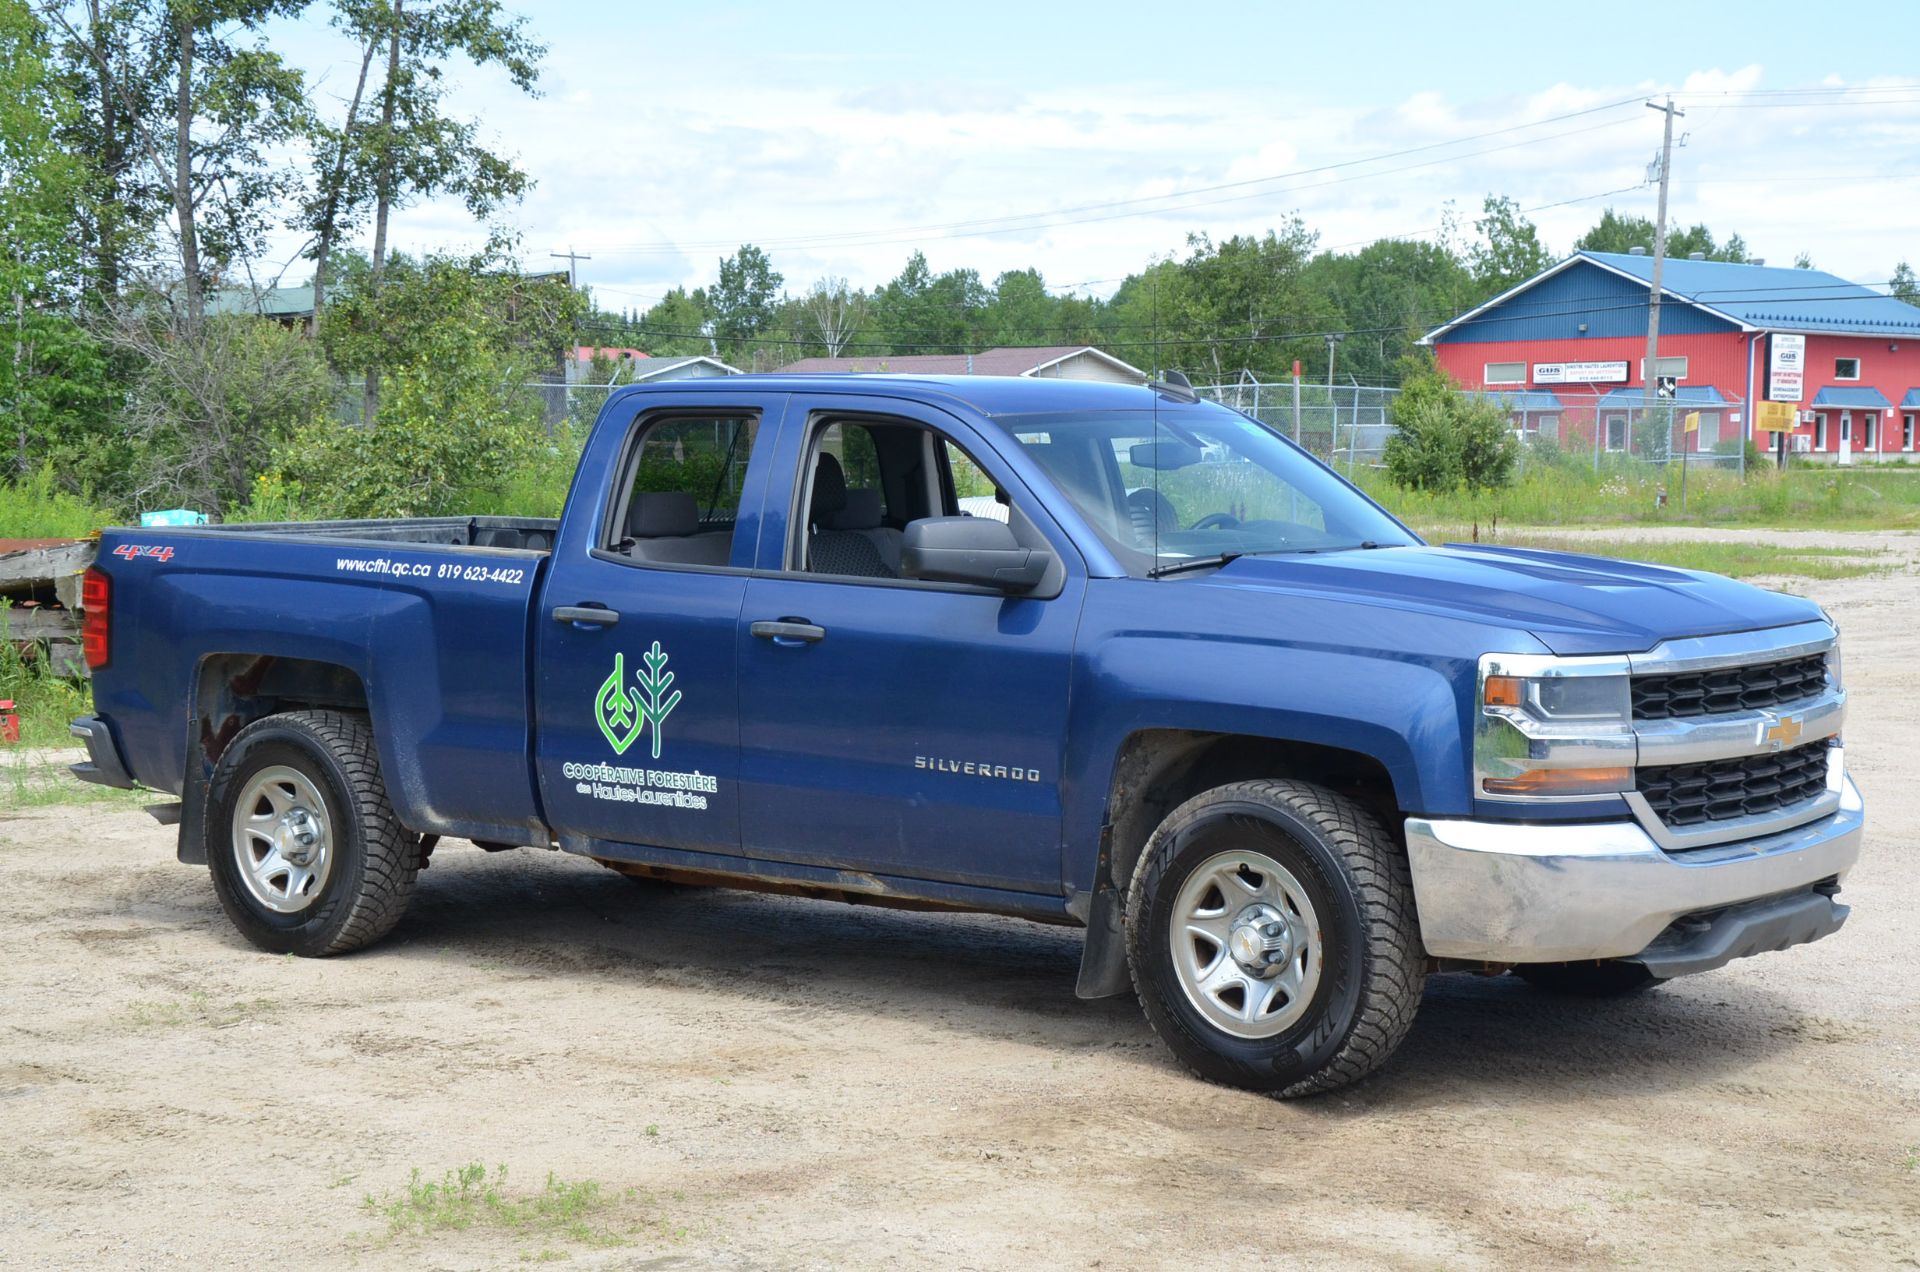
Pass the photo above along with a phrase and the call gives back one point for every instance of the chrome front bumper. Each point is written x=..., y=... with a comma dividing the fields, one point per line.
x=1544, y=892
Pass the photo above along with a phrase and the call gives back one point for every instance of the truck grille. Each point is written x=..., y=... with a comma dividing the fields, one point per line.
x=1693, y=794
x=1683, y=695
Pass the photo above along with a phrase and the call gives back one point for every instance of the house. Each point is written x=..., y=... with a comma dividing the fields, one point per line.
x=288, y=306
x=1063, y=362
x=639, y=367
x=1845, y=356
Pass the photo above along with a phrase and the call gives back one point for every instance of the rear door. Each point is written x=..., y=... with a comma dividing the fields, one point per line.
x=893, y=726
x=636, y=687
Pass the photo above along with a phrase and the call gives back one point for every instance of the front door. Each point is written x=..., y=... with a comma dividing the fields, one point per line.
x=898, y=727
x=636, y=687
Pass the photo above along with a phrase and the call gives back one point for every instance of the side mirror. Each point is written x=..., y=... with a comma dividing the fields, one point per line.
x=977, y=550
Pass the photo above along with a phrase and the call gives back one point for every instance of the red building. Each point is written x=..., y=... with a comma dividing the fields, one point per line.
x=1578, y=332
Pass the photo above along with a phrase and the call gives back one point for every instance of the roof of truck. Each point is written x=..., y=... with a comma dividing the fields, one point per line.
x=987, y=394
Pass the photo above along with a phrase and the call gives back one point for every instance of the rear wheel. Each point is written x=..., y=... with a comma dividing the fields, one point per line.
x=306, y=854
x=1589, y=980
x=1271, y=937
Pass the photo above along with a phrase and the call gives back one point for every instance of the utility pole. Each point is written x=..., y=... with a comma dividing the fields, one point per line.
x=1650, y=373
x=571, y=257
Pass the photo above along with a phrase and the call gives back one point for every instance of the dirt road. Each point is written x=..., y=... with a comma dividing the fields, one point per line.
x=761, y=1082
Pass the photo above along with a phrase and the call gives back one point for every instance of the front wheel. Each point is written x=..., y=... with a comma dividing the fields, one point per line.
x=306, y=854
x=1272, y=938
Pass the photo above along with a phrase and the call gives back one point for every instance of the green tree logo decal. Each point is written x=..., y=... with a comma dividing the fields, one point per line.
x=617, y=710
x=623, y=713
x=654, y=682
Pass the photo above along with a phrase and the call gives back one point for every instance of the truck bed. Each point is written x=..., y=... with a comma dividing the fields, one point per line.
x=429, y=616
x=531, y=534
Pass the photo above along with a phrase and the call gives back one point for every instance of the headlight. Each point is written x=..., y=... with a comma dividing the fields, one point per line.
x=1552, y=728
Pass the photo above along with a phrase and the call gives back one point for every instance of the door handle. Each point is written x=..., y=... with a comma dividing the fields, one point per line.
x=789, y=632
x=586, y=615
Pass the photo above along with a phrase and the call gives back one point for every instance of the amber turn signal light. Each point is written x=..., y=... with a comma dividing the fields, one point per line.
x=1564, y=781
x=1505, y=691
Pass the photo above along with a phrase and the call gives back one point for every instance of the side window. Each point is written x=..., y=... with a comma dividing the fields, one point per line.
x=868, y=480
x=976, y=493
x=683, y=485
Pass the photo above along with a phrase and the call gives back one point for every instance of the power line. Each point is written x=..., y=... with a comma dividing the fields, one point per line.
x=1009, y=223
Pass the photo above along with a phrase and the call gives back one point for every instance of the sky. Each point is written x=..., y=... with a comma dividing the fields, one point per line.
x=1088, y=141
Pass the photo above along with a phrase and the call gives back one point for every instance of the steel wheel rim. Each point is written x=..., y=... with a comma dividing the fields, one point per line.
x=282, y=840
x=1246, y=944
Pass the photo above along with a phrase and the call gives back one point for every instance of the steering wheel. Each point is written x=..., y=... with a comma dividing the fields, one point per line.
x=1216, y=521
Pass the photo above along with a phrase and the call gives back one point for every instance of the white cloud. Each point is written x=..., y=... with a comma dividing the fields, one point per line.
x=659, y=179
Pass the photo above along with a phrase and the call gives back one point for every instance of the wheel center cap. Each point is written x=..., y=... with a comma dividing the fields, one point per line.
x=1261, y=939
x=297, y=836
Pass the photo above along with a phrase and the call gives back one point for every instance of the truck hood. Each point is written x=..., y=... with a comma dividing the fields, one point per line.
x=1572, y=604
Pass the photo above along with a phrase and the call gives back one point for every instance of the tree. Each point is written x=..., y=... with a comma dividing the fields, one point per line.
x=396, y=318
x=410, y=149
x=1022, y=312
x=1509, y=251
x=209, y=108
x=1389, y=294
x=1616, y=233
x=106, y=72
x=833, y=313
x=1803, y=261
x=212, y=402
x=923, y=312
x=53, y=395
x=1445, y=440
x=678, y=325
x=459, y=337
x=1245, y=302
x=743, y=299
x=1903, y=285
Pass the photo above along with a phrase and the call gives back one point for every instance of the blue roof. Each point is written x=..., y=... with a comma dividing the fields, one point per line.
x=1852, y=395
x=1774, y=299
x=1911, y=402
x=1524, y=400
x=1685, y=395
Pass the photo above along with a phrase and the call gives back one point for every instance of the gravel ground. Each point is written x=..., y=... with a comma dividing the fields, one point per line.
x=763, y=1082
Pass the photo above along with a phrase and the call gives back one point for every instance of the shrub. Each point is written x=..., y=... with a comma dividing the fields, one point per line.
x=1444, y=439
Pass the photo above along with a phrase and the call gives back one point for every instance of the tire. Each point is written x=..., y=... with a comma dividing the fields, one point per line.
x=1589, y=980
x=1347, y=956
x=318, y=865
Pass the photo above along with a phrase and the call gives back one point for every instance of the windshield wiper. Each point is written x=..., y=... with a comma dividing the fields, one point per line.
x=1194, y=563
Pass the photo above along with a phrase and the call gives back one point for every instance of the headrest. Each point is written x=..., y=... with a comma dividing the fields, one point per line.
x=829, y=490
x=662, y=514
x=863, y=510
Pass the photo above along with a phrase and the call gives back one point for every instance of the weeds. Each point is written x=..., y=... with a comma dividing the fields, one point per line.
x=1560, y=495
x=35, y=507
x=470, y=1197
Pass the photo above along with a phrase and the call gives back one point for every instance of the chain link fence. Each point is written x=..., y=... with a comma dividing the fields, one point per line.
x=1348, y=425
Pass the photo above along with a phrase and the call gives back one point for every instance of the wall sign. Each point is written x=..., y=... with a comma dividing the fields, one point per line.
x=1579, y=373
x=1786, y=368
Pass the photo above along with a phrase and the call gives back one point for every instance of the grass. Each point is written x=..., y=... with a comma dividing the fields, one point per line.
x=1735, y=560
x=470, y=1197
x=37, y=508
x=1567, y=494
x=198, y=1008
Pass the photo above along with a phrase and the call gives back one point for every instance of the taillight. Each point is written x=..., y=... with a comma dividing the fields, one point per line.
x=96, y=596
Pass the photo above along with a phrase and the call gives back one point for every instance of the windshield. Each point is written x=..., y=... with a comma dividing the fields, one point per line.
x=1188, y=482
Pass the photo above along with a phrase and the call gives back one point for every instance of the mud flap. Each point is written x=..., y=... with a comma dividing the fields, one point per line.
x=1103, y=961
x=192, y=846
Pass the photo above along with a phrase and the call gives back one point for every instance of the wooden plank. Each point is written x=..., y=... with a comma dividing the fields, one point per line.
x=27, y=568
x=40, y=623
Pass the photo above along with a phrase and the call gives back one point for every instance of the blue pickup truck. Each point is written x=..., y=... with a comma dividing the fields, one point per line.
x=1090, y=654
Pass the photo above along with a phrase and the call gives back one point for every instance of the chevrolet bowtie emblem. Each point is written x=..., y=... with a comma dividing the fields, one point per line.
x=1783, y=732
